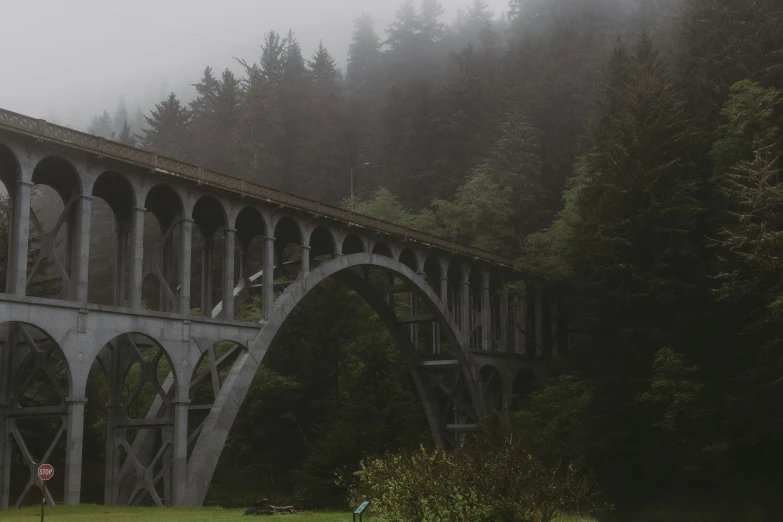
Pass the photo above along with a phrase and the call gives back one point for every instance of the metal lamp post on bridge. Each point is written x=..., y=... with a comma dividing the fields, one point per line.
x=352, y=169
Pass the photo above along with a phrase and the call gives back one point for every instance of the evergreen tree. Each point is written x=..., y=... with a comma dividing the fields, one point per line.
x=324, y=152
x=168, y=129
x=259, y=127
x=120, y=118
x=126, y=136
x=630, y=244
x=364, y=55
x=294, y=94
x=102, y=126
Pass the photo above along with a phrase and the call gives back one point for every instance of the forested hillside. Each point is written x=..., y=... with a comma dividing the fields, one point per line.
x=626, y=152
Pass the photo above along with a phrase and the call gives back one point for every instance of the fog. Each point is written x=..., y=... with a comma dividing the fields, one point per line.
x=67, y=61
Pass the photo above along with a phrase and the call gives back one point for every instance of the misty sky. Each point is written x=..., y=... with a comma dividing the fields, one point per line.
x=67, y=60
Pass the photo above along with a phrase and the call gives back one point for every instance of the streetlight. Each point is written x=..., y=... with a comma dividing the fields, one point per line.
x=356, y=167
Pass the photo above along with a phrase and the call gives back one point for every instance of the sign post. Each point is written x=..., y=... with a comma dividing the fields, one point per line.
x=45, y=472
x=360, y=510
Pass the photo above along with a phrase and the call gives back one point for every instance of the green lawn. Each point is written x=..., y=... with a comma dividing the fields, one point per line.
x=101, y=514
x=104, y=514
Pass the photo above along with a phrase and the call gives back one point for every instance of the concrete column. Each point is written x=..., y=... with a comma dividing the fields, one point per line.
x=19, y=239
x=444, y=290
x=414, y=327
x=305, y=261
x=179, y=471
x=504, y=322
x=5, y=465
x=464, y=297
x=5, y=461
x=206, y=274
x=136, y=255
x=81, y=259
x=486, y=313
x=113, y=412
x=121, y=264
x=539, y=324
x=553, y=325
x=73, y=450
x=520, y=326
x=267, y=289
x=228, y=274
x=184, y=265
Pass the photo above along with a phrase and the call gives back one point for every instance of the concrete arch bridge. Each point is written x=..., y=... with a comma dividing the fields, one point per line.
x=186, y=247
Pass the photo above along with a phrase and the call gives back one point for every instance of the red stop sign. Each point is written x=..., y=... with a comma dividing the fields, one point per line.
x=45, y=472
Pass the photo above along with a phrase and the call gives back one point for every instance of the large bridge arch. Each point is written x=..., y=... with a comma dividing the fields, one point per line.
x=217, y=425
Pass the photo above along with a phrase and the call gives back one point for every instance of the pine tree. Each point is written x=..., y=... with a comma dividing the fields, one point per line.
x=324, y=152
x=120, y=117
x=126, y=136
x=294, y=95
x=102, y=126
x=323, y=68
x=259, y=127
x=364, y=54
x=168, y=129
x=431, y=29
x=404, y=31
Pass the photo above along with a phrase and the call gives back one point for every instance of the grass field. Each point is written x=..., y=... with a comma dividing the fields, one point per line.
x=104, y=514
x=101, y=514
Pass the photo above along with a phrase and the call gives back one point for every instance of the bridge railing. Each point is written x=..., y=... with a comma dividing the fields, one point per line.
x=163, y=165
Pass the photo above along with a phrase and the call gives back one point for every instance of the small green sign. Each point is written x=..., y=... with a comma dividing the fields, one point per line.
x=362, y=507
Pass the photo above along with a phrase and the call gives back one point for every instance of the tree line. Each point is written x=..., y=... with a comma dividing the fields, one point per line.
x=626, y=153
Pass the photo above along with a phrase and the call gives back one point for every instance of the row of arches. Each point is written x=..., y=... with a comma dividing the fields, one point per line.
x=131, y=388
x=98, y=235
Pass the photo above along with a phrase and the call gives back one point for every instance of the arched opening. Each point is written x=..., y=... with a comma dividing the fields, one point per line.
x=322, y=246
x=251, y=231
x=525, y=383
x=36, y=386
x=409, y=259
x=288, y=253
x=382, y=249
x=321, y=367
x=52, y=244
x=491, y=387
x=129, y=421
x=353, y=244
x=208, y=255
x=110, y=239
x=162, y=238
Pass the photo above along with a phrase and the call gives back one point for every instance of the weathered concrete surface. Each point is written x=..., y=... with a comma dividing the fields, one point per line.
x=457, y=291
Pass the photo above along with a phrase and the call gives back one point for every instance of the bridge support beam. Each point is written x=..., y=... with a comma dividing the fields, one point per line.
x=486, y=313
x=136, y=258
x=81, y=253
x=185, y=255
x=228, y=274
x=207, y=255
x=520, y=325
x=179, y=471
x=267, y=288
x=19, y=239
x=73, y=451
x=504, y=320
x=5, y=453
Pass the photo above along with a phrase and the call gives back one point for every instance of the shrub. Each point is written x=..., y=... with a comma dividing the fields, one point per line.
x=481, y=481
